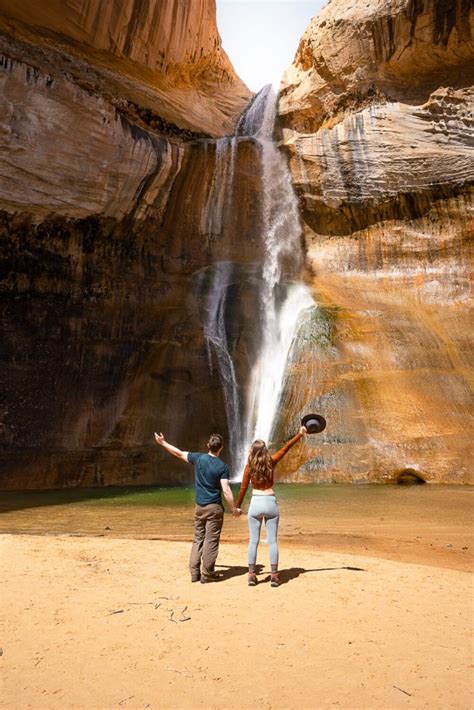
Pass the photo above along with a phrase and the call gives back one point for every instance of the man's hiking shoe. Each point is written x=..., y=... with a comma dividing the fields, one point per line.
x=213, y=577
x=195, y=578
x=252, y=579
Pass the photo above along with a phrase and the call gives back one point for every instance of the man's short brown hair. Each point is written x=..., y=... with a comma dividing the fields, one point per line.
x=215, y=443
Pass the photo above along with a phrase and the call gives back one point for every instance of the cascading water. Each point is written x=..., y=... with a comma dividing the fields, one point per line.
x=267, y=379
x=220, y=193
x=281, y=305
x=218, y=352
x=251, y=410
x=215, y=333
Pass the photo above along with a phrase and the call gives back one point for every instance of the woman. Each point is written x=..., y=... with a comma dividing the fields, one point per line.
x=263, y=506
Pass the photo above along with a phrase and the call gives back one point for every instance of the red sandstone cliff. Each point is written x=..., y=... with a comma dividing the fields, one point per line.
x=106, y=183
x=376, y=116
x=163, y=56
x=109, y=231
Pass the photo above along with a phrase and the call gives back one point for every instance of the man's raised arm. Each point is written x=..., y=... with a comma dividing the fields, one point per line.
x=173, y=450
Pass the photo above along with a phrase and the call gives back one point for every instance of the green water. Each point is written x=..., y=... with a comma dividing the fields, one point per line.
x=170, y=497
x=450, y=505
x=112, y=496
x=427, y=524
x=291, y=493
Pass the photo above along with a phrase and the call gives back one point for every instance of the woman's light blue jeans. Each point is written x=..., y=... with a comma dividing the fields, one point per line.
x=263, y=508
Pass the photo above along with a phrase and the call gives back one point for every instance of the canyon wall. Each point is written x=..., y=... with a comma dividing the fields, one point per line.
x=159, y=60
x=112, y=219
x=122, y=209
x=376, y=117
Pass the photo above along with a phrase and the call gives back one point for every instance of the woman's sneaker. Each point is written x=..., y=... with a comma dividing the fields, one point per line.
x=252, y=581
x=275, y=579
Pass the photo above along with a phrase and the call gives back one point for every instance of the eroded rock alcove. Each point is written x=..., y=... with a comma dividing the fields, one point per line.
x=109, y=236
x=112, y=222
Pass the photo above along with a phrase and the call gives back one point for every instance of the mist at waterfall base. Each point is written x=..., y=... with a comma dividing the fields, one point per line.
x=251, y=402
x=268, y=376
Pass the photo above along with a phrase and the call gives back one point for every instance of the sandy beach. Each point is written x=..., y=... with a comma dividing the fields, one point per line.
x=98, y=623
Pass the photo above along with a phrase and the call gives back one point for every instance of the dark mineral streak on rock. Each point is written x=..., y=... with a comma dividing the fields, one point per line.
x=450, y=14
x=103, y=325
x=414, y=9
x=140, y=10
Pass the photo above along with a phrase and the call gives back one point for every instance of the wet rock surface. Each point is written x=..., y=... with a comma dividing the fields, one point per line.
x=104, y=320
x=110, y=229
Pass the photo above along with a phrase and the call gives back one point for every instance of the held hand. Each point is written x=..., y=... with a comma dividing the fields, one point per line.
x=303, y=430
x=236, y=512
x=159, y=438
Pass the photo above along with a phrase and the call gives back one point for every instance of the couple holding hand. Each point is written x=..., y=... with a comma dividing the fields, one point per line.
x=212, y=478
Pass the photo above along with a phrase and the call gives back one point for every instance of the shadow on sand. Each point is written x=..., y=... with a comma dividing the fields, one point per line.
x=227, y=571
x=286, y=575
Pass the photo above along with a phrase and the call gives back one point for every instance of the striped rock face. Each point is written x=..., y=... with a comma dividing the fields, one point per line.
x=112, y=216
x=376, y=117
x=157, y=57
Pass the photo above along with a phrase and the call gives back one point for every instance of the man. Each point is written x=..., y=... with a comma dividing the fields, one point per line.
x=211, y=476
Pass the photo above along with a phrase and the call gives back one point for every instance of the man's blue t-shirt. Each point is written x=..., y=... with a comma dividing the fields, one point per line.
x=209, y=470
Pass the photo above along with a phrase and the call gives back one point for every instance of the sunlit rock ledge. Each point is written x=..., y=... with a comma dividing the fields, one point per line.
x=166, y=57
x=385, y=161
x=376, y=118
x=356, y=53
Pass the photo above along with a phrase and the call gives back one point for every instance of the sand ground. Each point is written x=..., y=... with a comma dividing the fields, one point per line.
x=115, y=623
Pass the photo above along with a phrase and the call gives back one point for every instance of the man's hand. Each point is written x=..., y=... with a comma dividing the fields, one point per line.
x=227, y=491
x=303, y=430
x=173, y=450
x=237, y=512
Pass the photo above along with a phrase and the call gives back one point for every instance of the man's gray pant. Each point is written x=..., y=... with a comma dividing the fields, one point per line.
x=208, y=521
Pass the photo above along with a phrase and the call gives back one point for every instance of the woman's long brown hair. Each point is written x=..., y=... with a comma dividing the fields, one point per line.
x=260, y=463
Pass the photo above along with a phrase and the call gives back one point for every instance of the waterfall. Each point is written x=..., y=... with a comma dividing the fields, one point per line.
x=220, y=192
x=267, y=378
x=251, y=411
x=222, y=275
x=218, y=352
x=280, y=305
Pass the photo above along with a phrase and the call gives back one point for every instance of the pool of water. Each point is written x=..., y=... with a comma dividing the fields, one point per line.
x=427, y=524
